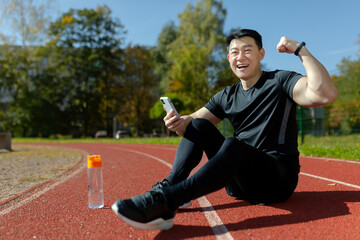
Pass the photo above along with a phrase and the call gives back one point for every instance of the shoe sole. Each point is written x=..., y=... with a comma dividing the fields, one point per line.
x=185, y=205
x=157, y=224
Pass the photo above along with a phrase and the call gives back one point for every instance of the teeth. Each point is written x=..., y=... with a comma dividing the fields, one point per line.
x=241, y=66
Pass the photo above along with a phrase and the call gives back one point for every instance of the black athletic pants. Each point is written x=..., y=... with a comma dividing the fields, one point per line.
x=246, y=172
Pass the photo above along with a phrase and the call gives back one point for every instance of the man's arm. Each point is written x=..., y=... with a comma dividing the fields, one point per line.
x=178, y=123
x=316, y=89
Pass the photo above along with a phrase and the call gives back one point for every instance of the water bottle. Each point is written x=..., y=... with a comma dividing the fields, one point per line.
x=95, y=182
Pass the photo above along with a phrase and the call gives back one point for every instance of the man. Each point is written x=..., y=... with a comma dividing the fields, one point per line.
x=260, y=163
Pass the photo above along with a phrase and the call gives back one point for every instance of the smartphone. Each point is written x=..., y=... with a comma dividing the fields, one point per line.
x=168, y=105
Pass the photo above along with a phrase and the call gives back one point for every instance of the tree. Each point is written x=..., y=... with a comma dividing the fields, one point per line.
x=85, y=55
x=345, y=111
x=196, y=51
x=19, y=64
x=157, y=112
x=27, y=20
x=160, y=54
x=141, y=90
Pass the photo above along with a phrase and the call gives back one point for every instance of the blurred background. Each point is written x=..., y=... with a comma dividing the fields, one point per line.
x=91, y=68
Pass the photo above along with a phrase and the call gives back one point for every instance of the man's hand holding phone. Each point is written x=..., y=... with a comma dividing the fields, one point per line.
x=173, y=121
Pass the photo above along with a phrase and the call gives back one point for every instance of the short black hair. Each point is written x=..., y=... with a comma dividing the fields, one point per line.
x=239, y=33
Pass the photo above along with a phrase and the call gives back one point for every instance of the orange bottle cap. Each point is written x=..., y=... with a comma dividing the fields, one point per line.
x=94, y=161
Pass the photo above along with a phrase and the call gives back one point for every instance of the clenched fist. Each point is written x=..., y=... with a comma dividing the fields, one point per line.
x=287, y=45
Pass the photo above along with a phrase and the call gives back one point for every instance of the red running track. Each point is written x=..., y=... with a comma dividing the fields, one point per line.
x=326, y=204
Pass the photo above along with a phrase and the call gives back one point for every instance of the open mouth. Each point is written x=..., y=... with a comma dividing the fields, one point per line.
x=241, y=66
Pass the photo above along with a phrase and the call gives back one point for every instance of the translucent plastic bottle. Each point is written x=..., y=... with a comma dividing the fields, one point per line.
x=95, y=182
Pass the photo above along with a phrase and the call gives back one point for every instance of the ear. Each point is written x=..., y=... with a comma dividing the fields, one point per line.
x=262, y=54
x=228, y=58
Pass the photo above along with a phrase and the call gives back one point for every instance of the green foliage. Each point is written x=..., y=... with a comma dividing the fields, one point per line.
x=160, y=54
x=79, y=81
x=226, y=128
x=83, y=78
x=141, y=88
x=85, y=60
x=195, y=51
x=19, y=73
x=345, y=111
x=157, y=111
x=224, y=76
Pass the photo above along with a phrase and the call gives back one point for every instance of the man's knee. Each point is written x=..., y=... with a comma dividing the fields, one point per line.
x=204, y=131
x=201, y=123
x=231, y=141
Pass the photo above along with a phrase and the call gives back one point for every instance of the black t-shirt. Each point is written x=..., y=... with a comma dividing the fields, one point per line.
x=263, y=116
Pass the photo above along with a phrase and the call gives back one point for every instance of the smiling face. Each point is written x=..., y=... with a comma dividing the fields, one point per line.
x=244, y=57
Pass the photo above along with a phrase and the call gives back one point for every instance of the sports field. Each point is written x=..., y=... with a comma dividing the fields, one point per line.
x=326, y=204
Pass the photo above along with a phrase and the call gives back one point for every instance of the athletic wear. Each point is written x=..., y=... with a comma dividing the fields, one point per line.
x=247, y=172
x=261, y=164
x=263, y=116
x=147, y=211
x=165, y=183
x=161, y=184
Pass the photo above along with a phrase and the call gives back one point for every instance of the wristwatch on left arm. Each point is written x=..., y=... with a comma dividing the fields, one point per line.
x=302, y=44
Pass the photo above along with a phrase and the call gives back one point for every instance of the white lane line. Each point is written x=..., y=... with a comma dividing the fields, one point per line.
x=48, y=188
x=331, y=180
x=153, y=146
x=332, y=159
x=217, y=226
x=147, y=155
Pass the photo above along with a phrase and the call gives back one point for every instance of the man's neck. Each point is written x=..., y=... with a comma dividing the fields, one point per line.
x=249, y=83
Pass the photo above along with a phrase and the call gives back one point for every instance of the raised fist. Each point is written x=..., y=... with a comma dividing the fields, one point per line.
x=287, y=45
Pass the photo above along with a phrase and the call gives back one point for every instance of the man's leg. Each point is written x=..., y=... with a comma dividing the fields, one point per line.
x=153, y=210
x=201, y=135
x=261, y=177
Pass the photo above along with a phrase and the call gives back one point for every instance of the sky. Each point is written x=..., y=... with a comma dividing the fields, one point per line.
x=330, y=28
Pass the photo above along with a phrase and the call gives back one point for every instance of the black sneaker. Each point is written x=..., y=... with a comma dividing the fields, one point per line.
x=146, y=211
x=165, y=183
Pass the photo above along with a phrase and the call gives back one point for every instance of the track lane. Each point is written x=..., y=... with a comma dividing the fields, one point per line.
x=219, y=229
x=63, y=213
x=318, y=210
x=336, y=169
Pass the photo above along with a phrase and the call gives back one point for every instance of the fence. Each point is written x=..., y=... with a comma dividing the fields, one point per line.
x=316, y=122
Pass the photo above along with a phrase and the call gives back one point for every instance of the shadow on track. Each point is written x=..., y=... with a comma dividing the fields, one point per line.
x=303, y=207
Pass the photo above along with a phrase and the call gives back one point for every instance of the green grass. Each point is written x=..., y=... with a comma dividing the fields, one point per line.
x=345, y=147
x=165, y=140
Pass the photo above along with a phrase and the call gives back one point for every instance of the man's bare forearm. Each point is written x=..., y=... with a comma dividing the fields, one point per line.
x=318, y=79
